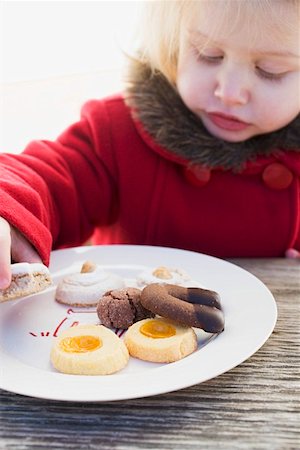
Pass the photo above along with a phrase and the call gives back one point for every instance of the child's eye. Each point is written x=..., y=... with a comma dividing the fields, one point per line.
x=269, y=75
x=210, y=59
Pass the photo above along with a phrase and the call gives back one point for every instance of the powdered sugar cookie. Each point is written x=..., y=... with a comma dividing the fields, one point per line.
x=87, y=287
x=160, y=340
x=165, y=275
x=26, y=279
x=89, y=350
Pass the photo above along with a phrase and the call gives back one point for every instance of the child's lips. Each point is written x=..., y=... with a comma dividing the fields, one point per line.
x=227, y=122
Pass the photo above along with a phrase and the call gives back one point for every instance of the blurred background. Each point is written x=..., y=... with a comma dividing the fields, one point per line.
x=54, y=56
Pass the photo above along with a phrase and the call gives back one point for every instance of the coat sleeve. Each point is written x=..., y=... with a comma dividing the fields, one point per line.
x=55, y=193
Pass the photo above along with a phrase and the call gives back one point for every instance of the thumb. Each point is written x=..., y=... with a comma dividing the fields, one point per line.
x=5, y=244
x=21, y=248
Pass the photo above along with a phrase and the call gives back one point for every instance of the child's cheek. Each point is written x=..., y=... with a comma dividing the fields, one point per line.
x=274, y=109
x=193, y=91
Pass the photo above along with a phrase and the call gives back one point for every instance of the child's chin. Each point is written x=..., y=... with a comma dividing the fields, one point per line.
x=234, y=137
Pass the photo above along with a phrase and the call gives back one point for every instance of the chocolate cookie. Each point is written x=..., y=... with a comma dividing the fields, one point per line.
x=194, y=307
x=120, y=308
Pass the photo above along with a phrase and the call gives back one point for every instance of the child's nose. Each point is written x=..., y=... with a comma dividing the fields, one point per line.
x=232, y=87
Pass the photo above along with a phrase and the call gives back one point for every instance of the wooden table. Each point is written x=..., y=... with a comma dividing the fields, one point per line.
x=254, y=406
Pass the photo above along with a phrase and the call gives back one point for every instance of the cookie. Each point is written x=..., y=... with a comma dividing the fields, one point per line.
x=160, y=340
x=26, y=279
x=87, y=287
x=193, y=307
x=165, y=275
x=121, y=308
x=89, y=350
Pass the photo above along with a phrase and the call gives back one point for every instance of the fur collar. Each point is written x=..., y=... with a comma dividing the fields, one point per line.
x=164, y=116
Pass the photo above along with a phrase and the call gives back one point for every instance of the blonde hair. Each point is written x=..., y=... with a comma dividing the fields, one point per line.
x=162, y=22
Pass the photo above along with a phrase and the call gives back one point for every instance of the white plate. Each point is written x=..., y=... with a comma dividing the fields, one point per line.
x=27, y=327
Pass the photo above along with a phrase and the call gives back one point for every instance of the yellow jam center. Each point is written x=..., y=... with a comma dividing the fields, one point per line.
x=157, y=329
x=80, y=344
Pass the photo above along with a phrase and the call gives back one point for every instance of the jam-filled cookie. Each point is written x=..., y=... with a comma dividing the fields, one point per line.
x=89, y=350
x=26, y=279
x=160, y=340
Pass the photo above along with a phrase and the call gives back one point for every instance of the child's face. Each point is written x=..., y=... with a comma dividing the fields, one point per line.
x=242, y=82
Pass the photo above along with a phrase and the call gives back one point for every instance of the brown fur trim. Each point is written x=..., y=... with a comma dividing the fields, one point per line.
x=172, y=125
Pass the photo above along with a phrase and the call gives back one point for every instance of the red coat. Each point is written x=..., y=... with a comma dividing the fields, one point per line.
x=105, y=175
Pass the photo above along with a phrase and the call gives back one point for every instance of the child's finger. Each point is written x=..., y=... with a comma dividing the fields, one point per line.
x=292, y=253
x=5, y=246
x=22, y=250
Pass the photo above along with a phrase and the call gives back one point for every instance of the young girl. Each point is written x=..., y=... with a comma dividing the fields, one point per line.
x=201, y=152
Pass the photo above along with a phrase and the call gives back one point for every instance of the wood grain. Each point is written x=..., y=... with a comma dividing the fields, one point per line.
x=254, y=406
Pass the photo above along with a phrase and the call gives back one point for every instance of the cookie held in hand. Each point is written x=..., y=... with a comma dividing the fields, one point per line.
x=26, y=279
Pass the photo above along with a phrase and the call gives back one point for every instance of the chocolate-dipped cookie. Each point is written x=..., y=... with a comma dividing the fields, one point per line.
x=194, y=307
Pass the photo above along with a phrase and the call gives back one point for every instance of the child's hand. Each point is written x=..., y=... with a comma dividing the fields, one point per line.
x=292, y=253
x=13, y=245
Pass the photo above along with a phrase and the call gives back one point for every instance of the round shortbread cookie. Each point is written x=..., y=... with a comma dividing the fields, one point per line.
x=89, y=350
x=86, y=288
x=26, y=279
x=160, y=340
